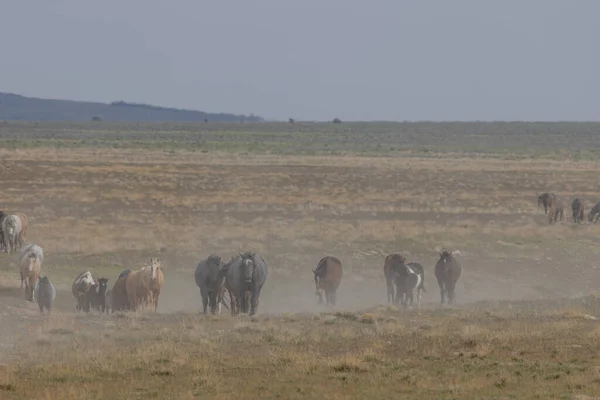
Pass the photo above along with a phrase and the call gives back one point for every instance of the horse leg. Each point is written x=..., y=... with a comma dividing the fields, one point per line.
x=419, y=293
x=204, y=301
x=131, y=299
x=390, y=291
x=248, y=301
x=441, y=285
x=239, y=302
x=232, y=303
x=451, y=295
x=242, y=302
x=401, y=297
x=333, y=297
x=86, y=304
x=254, y=302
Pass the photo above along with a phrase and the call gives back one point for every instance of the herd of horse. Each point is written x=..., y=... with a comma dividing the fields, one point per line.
x=242, y=278
x=554, y=207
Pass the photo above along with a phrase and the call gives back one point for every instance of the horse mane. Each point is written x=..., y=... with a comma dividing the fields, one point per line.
x=248, y=255
x=319, y=270
x=214, y=258
x=397, y=256
x=223, y=270
x=125, y=273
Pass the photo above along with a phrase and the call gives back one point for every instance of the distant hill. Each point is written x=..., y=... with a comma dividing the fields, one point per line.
x=21, y=108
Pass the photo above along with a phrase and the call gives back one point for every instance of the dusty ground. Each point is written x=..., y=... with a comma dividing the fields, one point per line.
x=107, y=209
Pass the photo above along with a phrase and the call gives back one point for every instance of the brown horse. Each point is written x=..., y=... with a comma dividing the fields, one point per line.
x=328, y=276
x=30, y=272
x=546, y=199
x=390, y=266
x=556, y=211
x=144, y=285
x=24, y=225
x=118, y=296
x=153, y=279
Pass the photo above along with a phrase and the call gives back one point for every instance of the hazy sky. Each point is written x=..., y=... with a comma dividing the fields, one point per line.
x=313, y=59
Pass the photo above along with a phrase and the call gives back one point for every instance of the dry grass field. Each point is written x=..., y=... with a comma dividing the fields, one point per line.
x=106, y=197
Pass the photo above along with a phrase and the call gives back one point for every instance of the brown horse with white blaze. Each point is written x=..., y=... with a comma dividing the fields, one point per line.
x=144, y=285
x=30, y=269
x=328, y=276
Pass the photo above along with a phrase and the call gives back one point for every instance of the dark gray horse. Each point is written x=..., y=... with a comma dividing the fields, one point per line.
x=2, y=242
x=210, y=282
x=578, y=210
x=594, y=213
x=447, y=271
x=245, y=276
x=45, y=294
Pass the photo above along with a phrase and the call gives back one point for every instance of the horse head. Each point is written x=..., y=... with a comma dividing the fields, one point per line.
x=447, y=258
x=11, y=225
x=248, y=267
x=32, y=259
x=102, y=285
x=154, y=267
x=214, y=265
